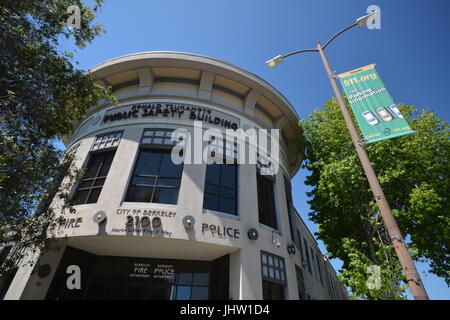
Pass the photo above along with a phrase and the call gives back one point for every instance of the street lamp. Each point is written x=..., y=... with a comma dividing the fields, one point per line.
x=412, y=276
x=360, y=22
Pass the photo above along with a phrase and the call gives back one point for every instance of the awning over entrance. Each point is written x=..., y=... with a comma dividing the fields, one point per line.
x=131, y=246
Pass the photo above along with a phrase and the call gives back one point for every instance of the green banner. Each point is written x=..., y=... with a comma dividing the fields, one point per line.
x=377, y=115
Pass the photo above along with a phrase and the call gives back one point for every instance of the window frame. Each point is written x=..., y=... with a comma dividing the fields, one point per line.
x=102, y=152
x=289, y=207
x=274, y=217
x=300, y=246
x=276, y=260
x=220, y=187
x=319, y=270
x=153, y=149
x=308, y=260
x=153, y=146
x=301, y=286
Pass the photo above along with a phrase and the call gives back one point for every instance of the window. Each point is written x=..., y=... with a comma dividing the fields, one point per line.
x=155, y=178
x=274, y=276
x=289, y=205
x=314, y=264
x=94, y=178
x=266, y=201
x=221, y=188
x=160, y=137
x=106, y=141
x=272, y=291
x=333, y=286
x=319, y=271
x=221, y=147
x=300, y=283
x=300, y=247
x=308, y=260
x=192, y=281
x=330, y=289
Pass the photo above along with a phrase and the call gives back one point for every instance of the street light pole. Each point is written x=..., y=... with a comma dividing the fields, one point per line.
x=412, y=276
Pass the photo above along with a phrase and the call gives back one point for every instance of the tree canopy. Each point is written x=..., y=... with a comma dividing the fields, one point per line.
x=414, y=172
x=42, y=97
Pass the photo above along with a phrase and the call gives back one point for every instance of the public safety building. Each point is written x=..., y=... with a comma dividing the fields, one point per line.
x=148, y=227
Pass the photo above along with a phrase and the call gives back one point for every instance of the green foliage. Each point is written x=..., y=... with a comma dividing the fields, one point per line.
x=358, y=274
x=42, y=97
x=414, y=173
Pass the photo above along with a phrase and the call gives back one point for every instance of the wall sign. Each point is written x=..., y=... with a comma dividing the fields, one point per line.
x=140, y=270
x=221, y=231
x=172, y=110
x=164, y=271
x=147, y=212
x=71, y=223
x=144, y=221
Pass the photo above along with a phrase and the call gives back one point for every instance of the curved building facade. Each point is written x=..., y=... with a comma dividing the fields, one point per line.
x=146, y=227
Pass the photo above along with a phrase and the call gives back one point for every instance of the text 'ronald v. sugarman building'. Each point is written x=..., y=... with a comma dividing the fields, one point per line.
x=148, y=227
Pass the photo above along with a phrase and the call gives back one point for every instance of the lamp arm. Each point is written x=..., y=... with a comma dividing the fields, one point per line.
x=299, y=51
x=342, y=31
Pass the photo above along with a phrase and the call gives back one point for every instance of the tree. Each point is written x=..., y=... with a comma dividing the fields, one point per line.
x=414, y=172
x=42, y=97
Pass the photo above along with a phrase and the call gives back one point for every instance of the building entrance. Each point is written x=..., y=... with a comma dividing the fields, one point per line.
x=106, y=277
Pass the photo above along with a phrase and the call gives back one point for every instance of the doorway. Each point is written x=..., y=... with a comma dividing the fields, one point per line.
x=128, y=278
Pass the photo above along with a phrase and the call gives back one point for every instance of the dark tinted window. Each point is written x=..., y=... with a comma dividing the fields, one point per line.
x=220, y=192
x=308, y=260
x=300, y=283
x=91, y=184
x=290, y=207
x=274, y=276
x=266, y=201
x=272, y=291
x=155, y=178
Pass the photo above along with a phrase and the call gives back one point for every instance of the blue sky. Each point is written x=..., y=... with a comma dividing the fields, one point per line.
x=411, y=51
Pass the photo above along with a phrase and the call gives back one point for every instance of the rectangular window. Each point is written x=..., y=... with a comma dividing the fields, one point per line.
x=314, y=264
x=272, y=291
x=319, y=271
x=222, y=148
x=266, y=201
x=330, y=290
x=300, y=283
x=161, y=137
x=300, y=247
x=91, y=184
x=274, y=276
x=155, y=178
x=221, y=188
x=290, y=206
x=107, y=141
x=308, y=260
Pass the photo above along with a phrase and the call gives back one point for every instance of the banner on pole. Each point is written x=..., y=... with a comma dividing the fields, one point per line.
x=377, y=115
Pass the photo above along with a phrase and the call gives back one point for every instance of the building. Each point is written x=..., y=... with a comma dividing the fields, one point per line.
x=147, y=228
